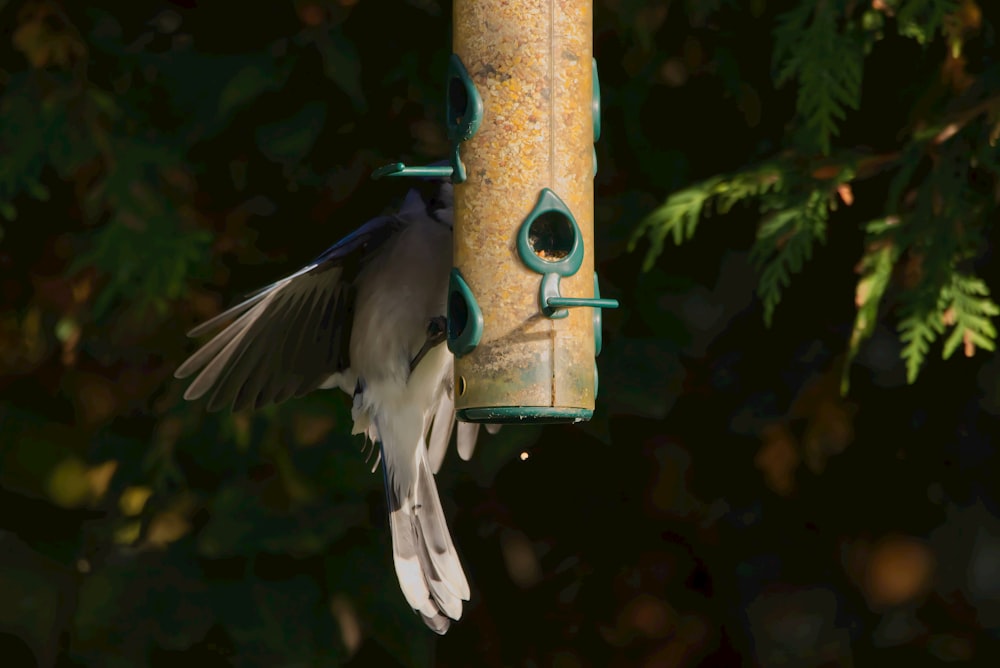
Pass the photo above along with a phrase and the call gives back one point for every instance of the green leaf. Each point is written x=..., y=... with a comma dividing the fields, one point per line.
x=967, y=304
x=920, y=326
x=876, y=272
x=678, y=217
x=826, y=61
x=903, y=178
x=785, y=242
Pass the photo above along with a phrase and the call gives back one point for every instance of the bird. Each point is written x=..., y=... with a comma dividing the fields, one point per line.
x=368, y=316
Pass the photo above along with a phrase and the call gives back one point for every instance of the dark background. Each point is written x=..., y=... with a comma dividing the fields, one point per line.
x=726, y=506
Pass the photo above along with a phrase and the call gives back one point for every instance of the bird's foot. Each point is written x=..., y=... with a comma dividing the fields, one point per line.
x=437, y=332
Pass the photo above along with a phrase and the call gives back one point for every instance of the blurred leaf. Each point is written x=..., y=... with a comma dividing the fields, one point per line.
x=342, y=64
x=45, y=37
x=147, y=263
x=778, y=458
x=289, y=141
x=34, y=591
x=390, y=620
x=922, y=19
x=165, y=586
x=252, y=80
x=278, y=621
x=898, y=569
x=39, y=458
x=240, y=523
x=654, y=289
x=99, y=478
x=647, y=376
x=24, y=136
x=133, y=499
x=166, y=527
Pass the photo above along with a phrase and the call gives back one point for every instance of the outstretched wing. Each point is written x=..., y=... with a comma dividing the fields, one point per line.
x=289, y=337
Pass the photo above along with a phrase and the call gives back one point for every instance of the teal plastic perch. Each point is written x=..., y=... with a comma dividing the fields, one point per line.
x=399, y=169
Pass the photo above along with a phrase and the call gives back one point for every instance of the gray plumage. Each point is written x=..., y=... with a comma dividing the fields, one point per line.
x=355, y=318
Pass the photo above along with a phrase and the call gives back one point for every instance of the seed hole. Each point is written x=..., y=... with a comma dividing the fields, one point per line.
x=458, y=315
x=458, y=100
x=551, y=236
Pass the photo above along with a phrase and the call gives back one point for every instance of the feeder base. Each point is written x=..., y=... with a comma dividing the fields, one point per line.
x=523, y=415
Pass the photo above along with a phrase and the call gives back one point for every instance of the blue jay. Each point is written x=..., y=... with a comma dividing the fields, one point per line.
x=367, y=316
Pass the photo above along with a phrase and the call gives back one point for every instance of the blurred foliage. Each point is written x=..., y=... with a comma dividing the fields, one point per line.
x=727, y=505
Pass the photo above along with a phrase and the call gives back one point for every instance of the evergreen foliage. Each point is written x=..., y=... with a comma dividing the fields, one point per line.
x=941, y=200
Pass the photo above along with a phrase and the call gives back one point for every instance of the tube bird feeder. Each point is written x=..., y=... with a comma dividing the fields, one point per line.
x=524, y=308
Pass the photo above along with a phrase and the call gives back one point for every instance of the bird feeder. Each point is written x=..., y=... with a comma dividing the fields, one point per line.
x=524, y=308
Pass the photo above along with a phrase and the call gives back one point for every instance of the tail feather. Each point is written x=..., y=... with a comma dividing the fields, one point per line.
x=427, y=565
x=407, y=556
x=466, y=440
x=434, y=530
x=442, y=424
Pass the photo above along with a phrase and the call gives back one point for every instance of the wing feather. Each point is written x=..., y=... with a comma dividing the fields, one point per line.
x=288, y=338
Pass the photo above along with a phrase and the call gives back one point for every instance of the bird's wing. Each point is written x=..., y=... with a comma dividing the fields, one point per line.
x=289, y=337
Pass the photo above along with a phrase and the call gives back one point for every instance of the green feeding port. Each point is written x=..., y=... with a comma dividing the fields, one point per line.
x=464, y=104
x=549, y=240
x=550, y=243
x=464, y=110
x=465, y=318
